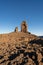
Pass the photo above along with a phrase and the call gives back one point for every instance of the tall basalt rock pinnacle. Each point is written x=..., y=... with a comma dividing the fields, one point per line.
x=16, y=29
x=24, y=27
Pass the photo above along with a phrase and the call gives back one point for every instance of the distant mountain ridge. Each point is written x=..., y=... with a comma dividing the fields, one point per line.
x=41, y=36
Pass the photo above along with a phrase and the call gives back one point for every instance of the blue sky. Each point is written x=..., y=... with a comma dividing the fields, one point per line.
x=13, y=12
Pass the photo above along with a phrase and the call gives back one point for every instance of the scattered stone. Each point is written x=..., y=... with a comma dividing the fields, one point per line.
x=21, y=48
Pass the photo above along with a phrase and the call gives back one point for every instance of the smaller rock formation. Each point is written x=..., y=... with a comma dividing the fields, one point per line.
x=24, y=27
x=16, y=29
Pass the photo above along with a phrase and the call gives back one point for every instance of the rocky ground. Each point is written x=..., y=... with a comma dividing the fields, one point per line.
x=26, y=49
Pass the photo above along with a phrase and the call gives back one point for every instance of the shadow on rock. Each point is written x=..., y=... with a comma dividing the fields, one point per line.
x=38, y=41
x=33, y=56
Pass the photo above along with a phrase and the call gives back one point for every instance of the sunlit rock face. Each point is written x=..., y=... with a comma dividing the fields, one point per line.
x=23, y=26
x=21, y=48
x=22, y=53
